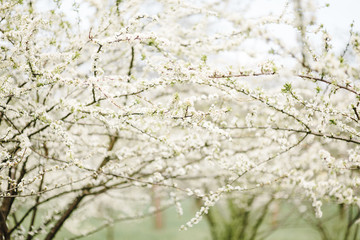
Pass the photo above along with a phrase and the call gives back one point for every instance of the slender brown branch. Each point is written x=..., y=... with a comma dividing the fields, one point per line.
x=260, y=220
x=330, y=83
x=299, y=75
x=32, y=221
x=324, y=135
x=71, y=208
x=131, y=61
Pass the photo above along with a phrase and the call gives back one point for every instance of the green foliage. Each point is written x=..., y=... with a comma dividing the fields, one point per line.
x=287, y=88
x=204, y=58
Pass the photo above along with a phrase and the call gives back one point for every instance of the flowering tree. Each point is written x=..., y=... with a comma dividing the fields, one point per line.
x=96, y=112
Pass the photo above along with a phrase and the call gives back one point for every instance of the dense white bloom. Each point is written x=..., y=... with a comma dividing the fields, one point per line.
x=151, y=98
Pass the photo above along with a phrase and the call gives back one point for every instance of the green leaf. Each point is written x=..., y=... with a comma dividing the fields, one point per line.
x=287, y=88
x=204, y=58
